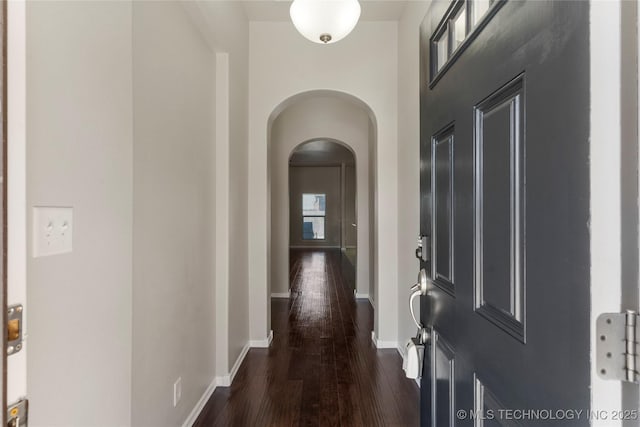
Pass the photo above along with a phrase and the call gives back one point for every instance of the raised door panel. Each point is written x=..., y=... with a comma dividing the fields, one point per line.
x=499, y=208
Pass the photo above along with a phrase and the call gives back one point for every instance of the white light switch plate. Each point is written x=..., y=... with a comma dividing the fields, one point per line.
x=52, y=230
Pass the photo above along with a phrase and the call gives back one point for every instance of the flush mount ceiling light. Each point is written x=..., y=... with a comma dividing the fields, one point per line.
x=325, y=21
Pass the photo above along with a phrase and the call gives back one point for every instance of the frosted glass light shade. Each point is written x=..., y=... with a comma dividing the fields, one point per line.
x=325, y=21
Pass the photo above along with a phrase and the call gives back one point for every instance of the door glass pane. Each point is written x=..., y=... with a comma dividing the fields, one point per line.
x=480, y=7
x=313, y=204
x=459, y=28
x=443, y=49
x=313, y=228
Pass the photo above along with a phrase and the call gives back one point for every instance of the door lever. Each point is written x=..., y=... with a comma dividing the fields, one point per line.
x=417, y=290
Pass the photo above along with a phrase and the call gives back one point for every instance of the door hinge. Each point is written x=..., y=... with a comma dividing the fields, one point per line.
x=617, y=346
x=18, y=413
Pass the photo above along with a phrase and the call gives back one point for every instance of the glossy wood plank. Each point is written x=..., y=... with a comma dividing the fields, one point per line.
x=322, y=368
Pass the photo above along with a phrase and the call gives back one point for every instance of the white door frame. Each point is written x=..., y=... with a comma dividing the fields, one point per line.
x=606, y=243
x=17, y=190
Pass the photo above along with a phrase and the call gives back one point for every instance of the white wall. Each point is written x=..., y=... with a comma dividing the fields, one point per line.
x=173, y=289
x=83, y=84
x=80, y=154
x=364, y=65
x=350, y=209
x=319, y=116
x=228, y=30
x=408, y=159
x=225, y=26
x=238, y=187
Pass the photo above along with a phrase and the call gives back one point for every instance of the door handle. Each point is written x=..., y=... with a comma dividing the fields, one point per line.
x=414, y=350
x=417, y=290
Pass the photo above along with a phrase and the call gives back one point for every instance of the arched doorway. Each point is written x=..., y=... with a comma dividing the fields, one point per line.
x=322, y=116
x=323, y=202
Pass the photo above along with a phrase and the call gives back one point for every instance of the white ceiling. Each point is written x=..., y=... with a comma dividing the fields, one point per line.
x=278, y=10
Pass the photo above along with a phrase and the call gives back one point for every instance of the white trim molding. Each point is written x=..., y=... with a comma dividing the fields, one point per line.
x=382, y=344
x=16, y=131
x=221, y=381
x=364, y=296
x=262, y=343
x=195, y=412
x=226, y=380
x=314, y=247
x=605, y=226
x=281, y=294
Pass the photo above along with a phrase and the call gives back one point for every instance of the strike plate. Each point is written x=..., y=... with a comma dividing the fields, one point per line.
x=616, y=346
x=17, y=413
x=14, y=329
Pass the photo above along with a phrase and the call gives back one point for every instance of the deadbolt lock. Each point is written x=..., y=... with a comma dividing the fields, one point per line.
x=14, y=328
x=17, y=413
x=423, y=251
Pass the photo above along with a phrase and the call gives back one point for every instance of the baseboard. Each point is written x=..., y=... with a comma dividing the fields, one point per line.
x=281, y=294
x=262, y=343
x=195, y=413
x=314, y=247
x=239, y=361
x=364, y=296
x=382, y=344
x=226, y=380
x=386, y=344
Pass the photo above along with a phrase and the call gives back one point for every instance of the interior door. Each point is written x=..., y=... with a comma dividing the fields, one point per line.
x=505, y=201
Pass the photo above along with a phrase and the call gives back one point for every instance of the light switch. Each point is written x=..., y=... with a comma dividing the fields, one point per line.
x=52, y=230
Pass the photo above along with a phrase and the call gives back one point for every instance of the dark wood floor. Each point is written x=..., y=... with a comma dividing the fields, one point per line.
x=322, y=368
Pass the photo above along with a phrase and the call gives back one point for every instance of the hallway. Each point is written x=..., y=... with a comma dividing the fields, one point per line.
x=322, y=368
